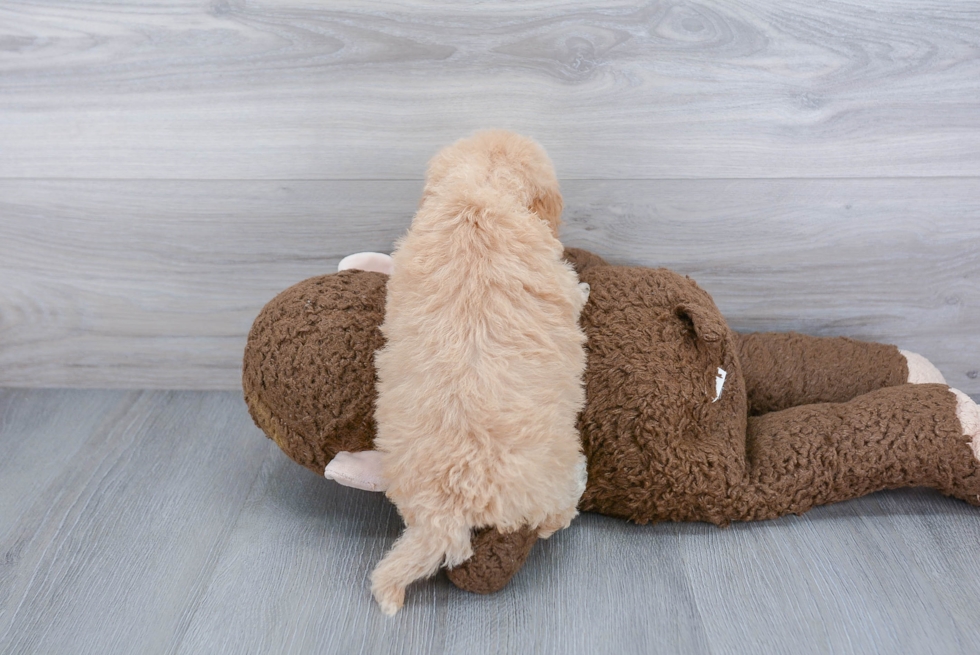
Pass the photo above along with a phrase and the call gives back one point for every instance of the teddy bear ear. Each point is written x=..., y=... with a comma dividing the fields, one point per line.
x=707, y=325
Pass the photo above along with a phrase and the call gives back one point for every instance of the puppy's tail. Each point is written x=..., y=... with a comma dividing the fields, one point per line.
x=417, y=554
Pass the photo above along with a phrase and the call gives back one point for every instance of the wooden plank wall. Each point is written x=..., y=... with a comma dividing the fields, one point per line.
x=166, y=168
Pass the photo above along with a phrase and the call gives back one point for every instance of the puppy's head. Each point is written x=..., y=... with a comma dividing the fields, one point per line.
x=504, y=161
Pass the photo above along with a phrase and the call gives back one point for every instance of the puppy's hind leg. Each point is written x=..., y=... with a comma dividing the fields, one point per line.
x=417, y=554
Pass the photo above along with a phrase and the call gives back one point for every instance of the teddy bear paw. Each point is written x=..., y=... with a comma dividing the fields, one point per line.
x=921, y=370
x=367, y=261
x=969, y=415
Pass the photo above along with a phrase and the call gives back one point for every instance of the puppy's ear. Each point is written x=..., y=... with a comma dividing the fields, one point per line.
x=425, y=195
x=548, y=205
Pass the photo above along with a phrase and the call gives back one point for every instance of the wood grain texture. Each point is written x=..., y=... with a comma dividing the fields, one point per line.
x=161, y=522
x=300, y=90
x=156, y=283
x=131, y=497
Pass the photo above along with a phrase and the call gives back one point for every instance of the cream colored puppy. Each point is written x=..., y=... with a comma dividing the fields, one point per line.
x=480, y=382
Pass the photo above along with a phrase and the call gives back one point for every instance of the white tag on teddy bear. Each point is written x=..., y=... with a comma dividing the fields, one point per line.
x=720, y=382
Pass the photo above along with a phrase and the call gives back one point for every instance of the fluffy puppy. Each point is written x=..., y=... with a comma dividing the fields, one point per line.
x=480, y=382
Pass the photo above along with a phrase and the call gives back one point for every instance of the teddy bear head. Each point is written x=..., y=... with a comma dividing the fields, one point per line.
x=308, y=372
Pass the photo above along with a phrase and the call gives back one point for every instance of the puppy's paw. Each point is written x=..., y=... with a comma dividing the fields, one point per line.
x=556, y=522
x=544, y=533
x=585, y=289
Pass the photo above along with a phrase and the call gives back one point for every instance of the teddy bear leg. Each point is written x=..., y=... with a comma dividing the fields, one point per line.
x=784, y=370
x=903, y=436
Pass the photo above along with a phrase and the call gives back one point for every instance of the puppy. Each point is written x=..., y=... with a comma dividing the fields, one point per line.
x=480, y=382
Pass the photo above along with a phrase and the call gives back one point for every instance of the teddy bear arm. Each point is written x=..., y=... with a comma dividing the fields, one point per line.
x=785, y=370
x=496, y=558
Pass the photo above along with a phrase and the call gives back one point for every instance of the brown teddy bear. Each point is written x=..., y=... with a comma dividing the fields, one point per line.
x=685, y=420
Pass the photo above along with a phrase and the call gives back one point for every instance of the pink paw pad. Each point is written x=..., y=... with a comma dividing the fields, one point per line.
x=969, y=415
x=921, y=370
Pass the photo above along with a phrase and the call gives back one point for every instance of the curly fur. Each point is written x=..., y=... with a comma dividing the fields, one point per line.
x=480, y=382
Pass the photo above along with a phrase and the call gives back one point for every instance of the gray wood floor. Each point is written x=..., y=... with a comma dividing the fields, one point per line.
x=164, y=522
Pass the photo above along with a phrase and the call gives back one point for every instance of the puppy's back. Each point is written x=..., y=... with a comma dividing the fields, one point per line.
x=481, y=380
